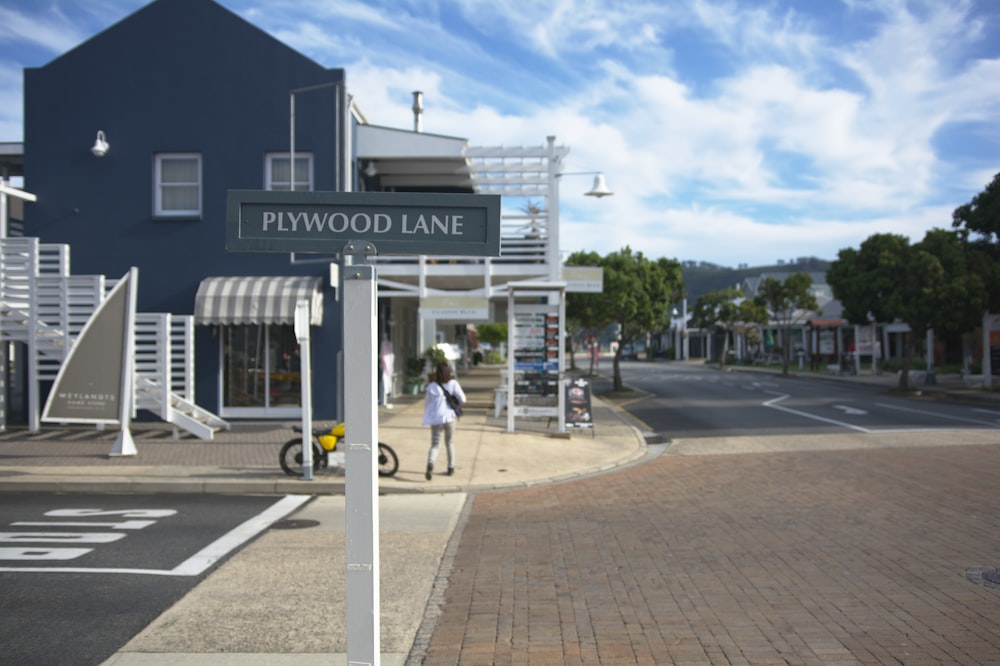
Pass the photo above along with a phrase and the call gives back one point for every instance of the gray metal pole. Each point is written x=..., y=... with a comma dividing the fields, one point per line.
x=291, y=141
x=561, y=401
x=305, y=382
x=361, y=476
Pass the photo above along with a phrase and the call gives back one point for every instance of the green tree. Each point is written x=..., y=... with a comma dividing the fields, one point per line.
x=978, y=223
x=955, y=306
x=982, y=215
x=494, y=334
x=925, y=285
x=726, y=309
x=637, y=293
x=789, y=303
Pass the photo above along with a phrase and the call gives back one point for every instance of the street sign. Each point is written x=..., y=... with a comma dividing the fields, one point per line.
x=410, y=223
x=583, y=279
x=461, y=308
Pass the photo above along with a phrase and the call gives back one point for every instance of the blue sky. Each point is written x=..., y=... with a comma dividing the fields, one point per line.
x=732, y=131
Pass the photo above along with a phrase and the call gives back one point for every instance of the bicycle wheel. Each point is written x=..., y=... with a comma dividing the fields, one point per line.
x=291, y=457
x=388, y=463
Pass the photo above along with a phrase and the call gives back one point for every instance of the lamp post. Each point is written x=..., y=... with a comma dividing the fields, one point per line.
x=677, y=333
x=342, y=186
x=684, y=329
x=599, y=189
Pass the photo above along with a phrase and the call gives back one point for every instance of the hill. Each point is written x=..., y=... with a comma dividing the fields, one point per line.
x=701, y=277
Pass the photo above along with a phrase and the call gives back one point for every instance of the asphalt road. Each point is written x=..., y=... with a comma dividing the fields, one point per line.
x=687, y=401
x=82, y=574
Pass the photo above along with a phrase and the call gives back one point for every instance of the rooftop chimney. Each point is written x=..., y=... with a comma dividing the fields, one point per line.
x=418, y=109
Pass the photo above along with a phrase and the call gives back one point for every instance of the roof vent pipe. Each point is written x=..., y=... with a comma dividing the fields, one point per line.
x=418, y=109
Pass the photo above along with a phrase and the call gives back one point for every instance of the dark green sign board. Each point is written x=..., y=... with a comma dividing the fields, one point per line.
x=394, y=222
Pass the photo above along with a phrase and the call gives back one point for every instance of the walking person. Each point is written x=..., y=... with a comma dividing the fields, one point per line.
x=441, y=416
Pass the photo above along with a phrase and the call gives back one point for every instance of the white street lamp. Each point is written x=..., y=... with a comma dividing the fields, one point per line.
x=600, y=189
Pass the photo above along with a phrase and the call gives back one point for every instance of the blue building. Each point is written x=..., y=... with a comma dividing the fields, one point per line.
x=190, y=100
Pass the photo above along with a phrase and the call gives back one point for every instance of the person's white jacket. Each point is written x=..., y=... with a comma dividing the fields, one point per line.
x=436, y=409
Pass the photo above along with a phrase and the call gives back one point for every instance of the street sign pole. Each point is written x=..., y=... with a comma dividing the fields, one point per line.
x=361, y=438
x=355, y=223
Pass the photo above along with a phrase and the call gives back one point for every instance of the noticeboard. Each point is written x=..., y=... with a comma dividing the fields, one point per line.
x=579, y=412
x=410, y=223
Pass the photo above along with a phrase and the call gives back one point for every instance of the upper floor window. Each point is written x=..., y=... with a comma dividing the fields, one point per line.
x=277, y=175
x=178, y=185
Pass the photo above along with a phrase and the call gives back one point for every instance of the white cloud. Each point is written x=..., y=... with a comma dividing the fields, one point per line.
x=49, y=30
x=729, y=130
x=11, y=124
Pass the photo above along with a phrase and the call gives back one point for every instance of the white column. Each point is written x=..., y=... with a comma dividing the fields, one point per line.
x=361, y=476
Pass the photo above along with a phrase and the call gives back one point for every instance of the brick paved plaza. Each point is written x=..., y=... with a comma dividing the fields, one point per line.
x=841, y=557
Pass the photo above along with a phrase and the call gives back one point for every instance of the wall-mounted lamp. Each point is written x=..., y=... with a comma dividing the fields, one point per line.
x=101, y=145
x=370, y=169
x=600, y=188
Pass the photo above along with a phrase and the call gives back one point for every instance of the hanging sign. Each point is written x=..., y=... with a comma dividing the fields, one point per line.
x=462, y=308
x=408, y=223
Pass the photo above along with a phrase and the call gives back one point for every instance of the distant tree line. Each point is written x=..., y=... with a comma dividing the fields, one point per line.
x=945, y=282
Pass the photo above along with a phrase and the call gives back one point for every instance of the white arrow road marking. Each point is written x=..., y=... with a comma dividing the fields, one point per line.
x=781, y=396
x=204, y=558
x=851, y=410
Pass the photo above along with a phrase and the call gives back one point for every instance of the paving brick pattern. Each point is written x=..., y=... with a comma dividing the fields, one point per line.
x=248, y=446
x=844, y=557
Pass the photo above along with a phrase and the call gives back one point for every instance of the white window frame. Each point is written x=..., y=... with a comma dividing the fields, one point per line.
x=158, y=185
x=300, y=186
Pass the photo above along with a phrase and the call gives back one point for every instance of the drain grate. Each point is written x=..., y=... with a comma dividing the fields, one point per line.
x=985, y=576
x=294, y=524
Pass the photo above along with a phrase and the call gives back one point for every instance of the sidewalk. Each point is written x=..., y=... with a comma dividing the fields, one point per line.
x=245, y=459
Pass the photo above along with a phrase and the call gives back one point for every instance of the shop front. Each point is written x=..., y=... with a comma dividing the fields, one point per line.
x=258, y=351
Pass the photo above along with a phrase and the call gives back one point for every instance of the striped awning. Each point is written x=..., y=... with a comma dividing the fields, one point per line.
x=257, y=300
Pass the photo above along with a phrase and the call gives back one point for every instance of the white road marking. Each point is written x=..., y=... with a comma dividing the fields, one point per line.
x=207, y=556
x=935, y=414
x=854, y=411
x=781, y=396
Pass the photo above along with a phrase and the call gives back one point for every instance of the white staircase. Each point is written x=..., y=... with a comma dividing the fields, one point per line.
x=44, y=307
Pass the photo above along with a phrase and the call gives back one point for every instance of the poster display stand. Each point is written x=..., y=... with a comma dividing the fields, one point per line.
x=579, y=410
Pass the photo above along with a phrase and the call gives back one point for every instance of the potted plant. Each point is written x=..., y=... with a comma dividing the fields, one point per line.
x=434, y=355
x=415, y=375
